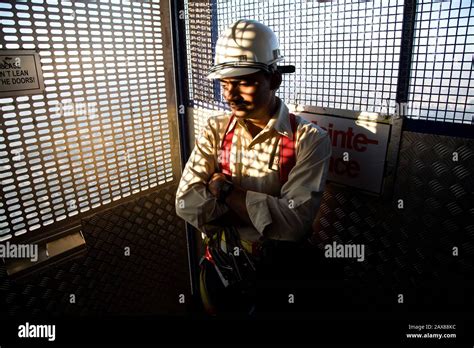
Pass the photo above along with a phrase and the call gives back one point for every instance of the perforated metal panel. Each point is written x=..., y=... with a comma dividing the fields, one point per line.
x=441, y=87
x=103, y=129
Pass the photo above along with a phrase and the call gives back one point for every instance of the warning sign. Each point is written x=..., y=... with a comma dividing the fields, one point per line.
x=20, y=73
x=359, y=150
x=365, y=146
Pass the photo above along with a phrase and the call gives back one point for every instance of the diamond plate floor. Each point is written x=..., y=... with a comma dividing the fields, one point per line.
x=106, y=281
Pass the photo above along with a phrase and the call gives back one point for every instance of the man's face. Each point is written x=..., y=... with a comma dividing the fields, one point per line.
x=249, y=96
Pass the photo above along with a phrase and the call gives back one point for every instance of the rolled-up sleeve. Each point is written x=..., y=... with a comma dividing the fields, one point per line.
x=290, y=216
x=194, y=203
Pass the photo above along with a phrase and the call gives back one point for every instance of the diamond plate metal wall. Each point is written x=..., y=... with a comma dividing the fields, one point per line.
x=106, y=281
x=410, y=250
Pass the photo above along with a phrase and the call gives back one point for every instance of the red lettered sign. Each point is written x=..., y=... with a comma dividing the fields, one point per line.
x=359, y=150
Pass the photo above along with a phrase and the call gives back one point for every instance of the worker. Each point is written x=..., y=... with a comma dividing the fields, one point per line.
x=256, y=174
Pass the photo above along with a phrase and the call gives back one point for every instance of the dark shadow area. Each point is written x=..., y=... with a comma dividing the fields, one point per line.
x=136, y=263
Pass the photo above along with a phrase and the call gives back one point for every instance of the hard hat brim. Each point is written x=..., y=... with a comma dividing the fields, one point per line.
x=231, y=72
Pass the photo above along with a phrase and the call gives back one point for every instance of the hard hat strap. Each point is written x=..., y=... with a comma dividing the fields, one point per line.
x=241, y=64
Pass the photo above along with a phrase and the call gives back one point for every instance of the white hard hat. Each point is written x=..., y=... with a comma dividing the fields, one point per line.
x=246, y=47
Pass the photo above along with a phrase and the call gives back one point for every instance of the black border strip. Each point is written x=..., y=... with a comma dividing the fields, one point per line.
x=182, y=99
x=181, y=78
x=460, y=130
x=406, y=50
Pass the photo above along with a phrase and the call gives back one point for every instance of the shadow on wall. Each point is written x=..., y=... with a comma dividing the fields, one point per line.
x=422, y=238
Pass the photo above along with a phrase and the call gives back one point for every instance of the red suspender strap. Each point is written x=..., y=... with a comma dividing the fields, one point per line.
x=224, y=156
x=287, y=152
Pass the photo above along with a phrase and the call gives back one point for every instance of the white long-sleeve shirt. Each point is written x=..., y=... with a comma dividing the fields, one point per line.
x=283, y=212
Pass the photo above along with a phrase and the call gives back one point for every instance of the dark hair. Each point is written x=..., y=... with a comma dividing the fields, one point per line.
x=274, y=73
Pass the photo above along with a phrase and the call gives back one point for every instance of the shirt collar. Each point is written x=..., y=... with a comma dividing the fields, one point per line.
x=280, y=121
x=231, y=125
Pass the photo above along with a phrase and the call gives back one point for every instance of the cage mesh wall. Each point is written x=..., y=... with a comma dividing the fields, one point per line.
x=347, y=53
x=442, y=87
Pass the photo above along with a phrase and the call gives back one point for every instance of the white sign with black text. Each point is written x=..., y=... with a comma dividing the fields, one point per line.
x=20, y=73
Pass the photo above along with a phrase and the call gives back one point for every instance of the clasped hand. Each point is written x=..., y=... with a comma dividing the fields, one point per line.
x=215, y=184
